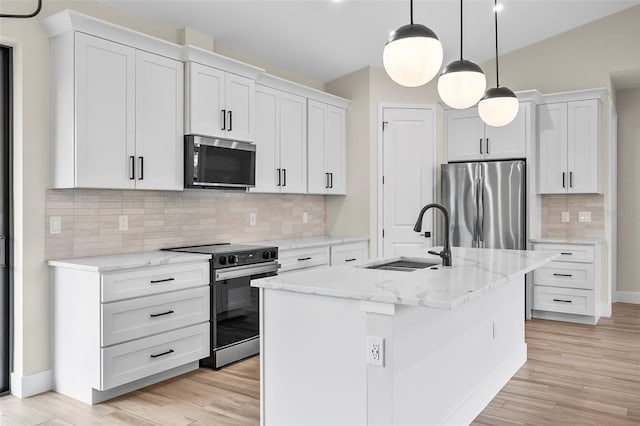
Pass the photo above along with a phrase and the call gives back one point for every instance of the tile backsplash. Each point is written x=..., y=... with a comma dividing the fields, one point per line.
x=157, y=219
x=554, y=205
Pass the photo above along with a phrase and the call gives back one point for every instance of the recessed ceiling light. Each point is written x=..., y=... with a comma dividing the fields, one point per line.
x=497, y=8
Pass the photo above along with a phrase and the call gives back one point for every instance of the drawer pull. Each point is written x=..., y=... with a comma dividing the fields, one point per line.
x=170, y=351
x=562, y=275
x=162, y=281
x=563, y=301
x=350, y=260
x=304, y=258
x=564, y=253
x=161, y=314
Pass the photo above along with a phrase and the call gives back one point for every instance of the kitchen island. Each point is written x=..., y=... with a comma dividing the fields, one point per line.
x=451, y=338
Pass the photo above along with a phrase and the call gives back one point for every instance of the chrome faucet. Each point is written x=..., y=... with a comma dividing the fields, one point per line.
x=445, y=254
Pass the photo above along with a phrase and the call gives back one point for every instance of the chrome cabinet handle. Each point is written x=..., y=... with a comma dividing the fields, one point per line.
x=162, y=281
x=224, y=119
x=161, y=314
x=170, y=351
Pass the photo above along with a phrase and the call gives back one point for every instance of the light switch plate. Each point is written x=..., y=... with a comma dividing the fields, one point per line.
x=584, y=216
x=252, y=219
x=565, y=217
x=305, y=217
x=123, y=222
x=55, y=224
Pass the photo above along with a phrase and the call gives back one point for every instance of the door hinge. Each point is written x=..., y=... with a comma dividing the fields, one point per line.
x=384, y=125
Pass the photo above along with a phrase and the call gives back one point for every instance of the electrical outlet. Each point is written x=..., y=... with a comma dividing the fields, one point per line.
x=55, y=224
x=305, y=217
x=252, y=219
x=584, y=216
x=375, y=350
x=123, y=222
x=565, y=217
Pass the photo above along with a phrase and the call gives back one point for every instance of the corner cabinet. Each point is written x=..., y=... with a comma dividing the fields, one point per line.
x=327, y=148
x=569, y=147
x=469, y=139
x=118, y=116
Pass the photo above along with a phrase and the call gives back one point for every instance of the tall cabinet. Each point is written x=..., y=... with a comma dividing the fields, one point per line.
x=327, y=148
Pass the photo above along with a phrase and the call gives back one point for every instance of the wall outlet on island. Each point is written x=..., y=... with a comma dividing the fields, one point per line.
x=375, y=350
x=305, y=217
x=252, y=219
x=584, y=216
x=565, y=217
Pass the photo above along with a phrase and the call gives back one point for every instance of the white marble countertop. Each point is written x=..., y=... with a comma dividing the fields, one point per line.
x=128, y=261
x=303, y=242
x=584, y=241
x=474, y=272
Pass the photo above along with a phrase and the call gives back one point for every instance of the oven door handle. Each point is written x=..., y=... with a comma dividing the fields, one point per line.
x=246, y=271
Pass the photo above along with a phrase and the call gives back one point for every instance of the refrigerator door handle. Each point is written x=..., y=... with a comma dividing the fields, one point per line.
x=480, y=212
x=475, y=242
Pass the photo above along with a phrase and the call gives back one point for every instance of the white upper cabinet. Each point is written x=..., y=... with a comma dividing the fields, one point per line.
x=569, y=147
x=469, y=139
x=327, y=148
x=122, y=126
x=281, y=141
x=220, y=104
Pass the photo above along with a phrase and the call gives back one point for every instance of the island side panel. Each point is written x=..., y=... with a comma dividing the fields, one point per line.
x=449, y=364
x=313, y=367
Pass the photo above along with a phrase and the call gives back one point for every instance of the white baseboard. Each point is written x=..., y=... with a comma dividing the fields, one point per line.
x=628, y=297
x=31, y=384
x=605, y=309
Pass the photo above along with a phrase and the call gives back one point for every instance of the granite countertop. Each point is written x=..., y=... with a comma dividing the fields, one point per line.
x=474, y=272
x=118, y=262
x=303, y=242
x=567, y=240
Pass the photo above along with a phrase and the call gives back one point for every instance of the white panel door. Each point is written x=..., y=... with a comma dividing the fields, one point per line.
x=408, y=167
x=293, y=143
x=240, y=106
x=335, y=150
x=552, y=151
x=206, y=101
x=317, y=135
x=507, y=142
x=465, y=135
x=583, y=146
x=159, y=122
x=105, y=113
x=267, y=147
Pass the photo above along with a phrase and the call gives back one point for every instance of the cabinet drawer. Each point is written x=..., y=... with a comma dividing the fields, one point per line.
x=568, y=252
x=292, y=260
x=143, y=357
x=566, y=300
x=350, y=253
x=135, y=318
x=565, y=274
x=153, y=280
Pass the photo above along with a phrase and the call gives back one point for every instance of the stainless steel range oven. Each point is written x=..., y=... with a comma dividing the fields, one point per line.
x=235, y=319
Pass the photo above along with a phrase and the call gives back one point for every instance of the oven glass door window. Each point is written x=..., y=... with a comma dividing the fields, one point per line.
x=236, y=316
x=224, y=165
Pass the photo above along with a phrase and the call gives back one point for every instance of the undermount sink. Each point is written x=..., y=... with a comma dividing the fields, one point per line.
x=402, y=264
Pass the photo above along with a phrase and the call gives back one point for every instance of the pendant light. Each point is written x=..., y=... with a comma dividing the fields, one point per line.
x=462, y=82
x=412, y=55
x=499, y=105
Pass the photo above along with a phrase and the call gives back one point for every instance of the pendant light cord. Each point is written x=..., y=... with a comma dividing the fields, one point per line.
x=461, y=29
x=411, y=9
x=495, y=14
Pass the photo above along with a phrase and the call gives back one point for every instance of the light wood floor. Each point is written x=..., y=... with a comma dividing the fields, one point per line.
x=575, y=374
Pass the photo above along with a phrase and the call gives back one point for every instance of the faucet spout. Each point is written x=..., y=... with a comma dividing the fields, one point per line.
x=445, y=254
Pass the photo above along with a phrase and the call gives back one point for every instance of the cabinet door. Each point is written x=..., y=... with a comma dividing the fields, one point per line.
x=293, y=143
x=105, y=113
x=205, y=101
x=507, y=141
x=465, y=135
x=317, y=135
x=240, y=103
x=267, y=149
x=335, y=150
x=552, y=149
x=583, y=144
x=159, y=122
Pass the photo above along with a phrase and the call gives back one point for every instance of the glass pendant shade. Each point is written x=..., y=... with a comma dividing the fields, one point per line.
x=412, y=55
x=461, y=84
x=498, y=107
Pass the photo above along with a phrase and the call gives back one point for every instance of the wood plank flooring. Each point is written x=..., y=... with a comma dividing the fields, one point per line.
x=576, y=374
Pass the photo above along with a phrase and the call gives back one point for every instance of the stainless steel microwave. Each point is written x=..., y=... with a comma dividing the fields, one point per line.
x=218, y=163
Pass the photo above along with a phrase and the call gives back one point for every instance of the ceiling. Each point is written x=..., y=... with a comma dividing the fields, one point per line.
x=325, y=39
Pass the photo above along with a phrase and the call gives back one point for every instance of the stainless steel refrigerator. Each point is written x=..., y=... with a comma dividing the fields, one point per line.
x=486, y=203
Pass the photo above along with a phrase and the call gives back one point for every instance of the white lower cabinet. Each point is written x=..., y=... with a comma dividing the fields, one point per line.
x=330, y=253
x=117, y=331
x=349, y=253
x=302, y=258
x=568, y=289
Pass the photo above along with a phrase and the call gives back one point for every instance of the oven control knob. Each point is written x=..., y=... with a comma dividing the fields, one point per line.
x=233, y=259
x=223, y=260
x=265, y=254
x=274, y=254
